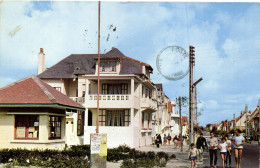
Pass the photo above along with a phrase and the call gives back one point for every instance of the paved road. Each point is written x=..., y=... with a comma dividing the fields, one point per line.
x=250, y=158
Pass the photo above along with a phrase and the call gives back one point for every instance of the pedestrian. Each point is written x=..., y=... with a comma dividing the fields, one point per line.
x=175, y=140
x=201, y=146
x=164, y=139
x=179, y=141
x=192, y=155
x=169, y=138
x=223, y=147
x=230, y=153
x=238, y=142
x=213, y=144
x=158, y=140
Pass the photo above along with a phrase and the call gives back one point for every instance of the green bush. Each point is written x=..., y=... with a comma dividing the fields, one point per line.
x=44, y=158
x=76, y=156
x=128, y=164
x=173, y=156
x=163, y=155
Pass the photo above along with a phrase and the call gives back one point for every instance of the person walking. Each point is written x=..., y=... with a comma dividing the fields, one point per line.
x=201, y=145
x=158, y=140
x=179, y=142
x=164, y=139
x=238, y=142
x=192, y=155
x=223, y=147
x=175, y=140
x=213, y=144
x=230, y=153
x=169, y=138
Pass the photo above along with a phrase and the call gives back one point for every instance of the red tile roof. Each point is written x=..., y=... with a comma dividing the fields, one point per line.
x=184, y=120
x=32, y=90
x=255, y=114
x=169, y=106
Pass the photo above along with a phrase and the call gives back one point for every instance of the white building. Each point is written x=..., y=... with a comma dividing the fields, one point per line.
x=175, y=120
x=127, y=98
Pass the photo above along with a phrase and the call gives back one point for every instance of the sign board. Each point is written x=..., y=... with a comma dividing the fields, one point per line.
x=98, y=144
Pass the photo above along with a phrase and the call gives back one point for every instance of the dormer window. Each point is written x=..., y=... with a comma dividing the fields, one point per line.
x=108, y=66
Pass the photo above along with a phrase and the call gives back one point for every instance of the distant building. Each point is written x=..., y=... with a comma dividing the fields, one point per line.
x=241, y=119
x=185, y=125
x=33, y=114
x=175, y=120
x=254, y=123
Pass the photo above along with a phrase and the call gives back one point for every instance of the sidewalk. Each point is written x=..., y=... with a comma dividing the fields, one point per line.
x=180, y=161
x=181, y=157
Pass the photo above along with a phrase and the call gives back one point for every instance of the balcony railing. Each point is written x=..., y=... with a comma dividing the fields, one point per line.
x=109, y=97
x=149, y=103
x=80, y=100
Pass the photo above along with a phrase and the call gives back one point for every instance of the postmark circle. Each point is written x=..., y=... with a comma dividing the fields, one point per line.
x=172, y=62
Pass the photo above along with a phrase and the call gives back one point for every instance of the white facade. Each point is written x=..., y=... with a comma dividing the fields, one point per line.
x=130, y=113
x=175, y=120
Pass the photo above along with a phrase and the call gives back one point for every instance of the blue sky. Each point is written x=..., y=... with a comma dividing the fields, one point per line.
x=226, y=37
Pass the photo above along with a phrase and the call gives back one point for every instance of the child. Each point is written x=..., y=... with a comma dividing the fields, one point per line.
x=193, y=155
x=164, y=139
x=223, y=150
x=228, y=154
x=175, y=140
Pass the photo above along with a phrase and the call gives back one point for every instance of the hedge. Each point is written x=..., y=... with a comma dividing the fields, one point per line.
x=77, y=156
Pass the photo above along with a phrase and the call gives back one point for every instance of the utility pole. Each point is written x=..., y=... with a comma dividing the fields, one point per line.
x=191, y=64
x=97, y=123
x=179, y=101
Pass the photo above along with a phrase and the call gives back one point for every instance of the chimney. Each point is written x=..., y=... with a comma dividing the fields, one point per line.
x=234, y=116
x=41, y=61
x=246, y=108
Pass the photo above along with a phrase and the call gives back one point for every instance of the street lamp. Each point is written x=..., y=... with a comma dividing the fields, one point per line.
x=195, y=83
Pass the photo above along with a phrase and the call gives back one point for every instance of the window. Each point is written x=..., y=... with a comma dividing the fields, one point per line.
x=114, y=88
x=146, y=93
x=142, y=119
x=55, y=127
x=149, y=120
x=80, y=123
x=83, y=93
x=114, y=117
x=108, y=66
x=26, y=126
x=58, y=88
x=104, y=88
x=89, y=88
x=102, y=117
x=83, y=90
x=124, y=88
x=142, y=91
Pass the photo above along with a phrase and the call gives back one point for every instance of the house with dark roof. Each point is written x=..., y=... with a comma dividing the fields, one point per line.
x=127, y=98
x=33, y=115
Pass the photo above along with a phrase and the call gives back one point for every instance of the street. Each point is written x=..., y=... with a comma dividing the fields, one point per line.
x=250, y=158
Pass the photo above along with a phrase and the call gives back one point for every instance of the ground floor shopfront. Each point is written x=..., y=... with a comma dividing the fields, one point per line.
x=32, y=130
